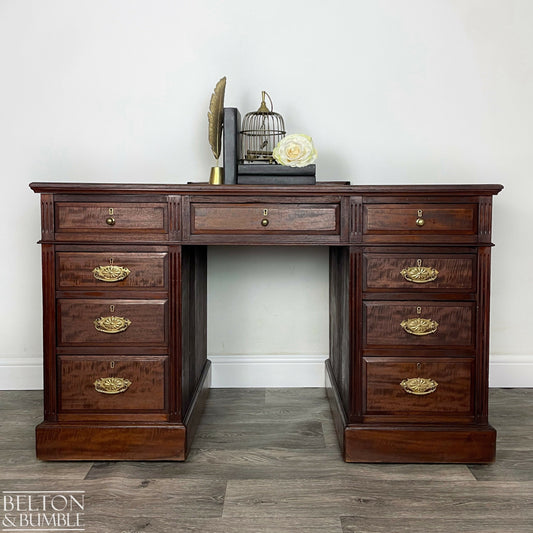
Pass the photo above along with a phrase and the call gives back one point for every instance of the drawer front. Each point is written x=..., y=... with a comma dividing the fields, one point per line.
x=419, y=324
x=112, y=270
x=111, y=218
x=420, y=219
x=112, y=322
x=109, y=384
x=259, y=219
x=396, y=386
x=420, y=272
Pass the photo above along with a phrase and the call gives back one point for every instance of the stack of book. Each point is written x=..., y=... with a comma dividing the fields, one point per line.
x=261, y=174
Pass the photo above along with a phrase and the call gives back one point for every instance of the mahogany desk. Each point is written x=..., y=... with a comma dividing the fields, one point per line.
x=124, y=295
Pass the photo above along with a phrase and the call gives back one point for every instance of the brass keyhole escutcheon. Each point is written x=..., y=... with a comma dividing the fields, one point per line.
x=420, y=221
x=110, y=220
x=112, y=364
x=264, y=222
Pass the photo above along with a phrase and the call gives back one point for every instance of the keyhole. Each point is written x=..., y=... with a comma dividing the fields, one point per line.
x=112, y=308
x=418, y=310
x=112, y=364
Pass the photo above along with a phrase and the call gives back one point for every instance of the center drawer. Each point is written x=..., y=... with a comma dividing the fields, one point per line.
x=102, y=322
x=427, y=323
x=264, y=218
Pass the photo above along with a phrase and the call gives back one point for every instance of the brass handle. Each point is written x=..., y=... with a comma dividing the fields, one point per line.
x=110, y=221
x=111, y=273
x=420, y=221
x=264, y=222
x=419, y=386
x=111, y=324
x=111, y=385
x=419, y=326
x=419, y=273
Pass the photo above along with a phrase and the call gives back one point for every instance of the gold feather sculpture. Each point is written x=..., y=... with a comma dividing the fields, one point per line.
x=216, y=117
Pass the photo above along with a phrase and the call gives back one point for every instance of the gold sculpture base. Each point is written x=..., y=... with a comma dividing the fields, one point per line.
x=217, y=176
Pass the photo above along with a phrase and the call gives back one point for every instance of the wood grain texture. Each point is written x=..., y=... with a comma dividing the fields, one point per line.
x=280, y=218
x=443, y=219
x=77, y=376
x=383, y=323
x=383, y=271
x=149, y=322
x=78, y=217
x=147, y=270
x=385, y=396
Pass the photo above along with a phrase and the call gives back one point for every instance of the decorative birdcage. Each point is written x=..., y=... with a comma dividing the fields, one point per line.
x=261, y=132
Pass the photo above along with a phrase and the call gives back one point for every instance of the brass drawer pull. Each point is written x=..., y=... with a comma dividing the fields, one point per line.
x=111, y=324
x=420, y=221
x=111, y=273
x=419, y=326
x=111, y=385
x=419, y=386
x=110, y=221
x=264, y=222
x=419, y=273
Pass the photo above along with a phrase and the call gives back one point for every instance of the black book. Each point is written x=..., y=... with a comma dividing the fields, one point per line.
x=231, y=144
x=275, y=170
x=252, y=179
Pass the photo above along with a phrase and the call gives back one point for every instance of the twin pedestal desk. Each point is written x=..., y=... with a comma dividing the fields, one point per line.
x=124, y=295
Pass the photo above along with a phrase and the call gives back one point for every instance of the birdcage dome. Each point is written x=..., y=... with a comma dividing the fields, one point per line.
x=261, y=132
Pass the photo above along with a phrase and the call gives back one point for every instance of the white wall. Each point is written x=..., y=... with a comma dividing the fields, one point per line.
x=392, y=91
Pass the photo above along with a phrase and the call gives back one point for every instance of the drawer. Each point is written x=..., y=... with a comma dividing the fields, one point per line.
x=111, y=322
x=260, y=219
x=420, y=272
x=108, y=219
x=111, y=270
x=426, y=323
x=420, y=219
x=112, y=383
x=396, y=386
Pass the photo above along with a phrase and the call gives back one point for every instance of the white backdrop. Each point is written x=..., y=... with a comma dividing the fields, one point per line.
x=392, y=91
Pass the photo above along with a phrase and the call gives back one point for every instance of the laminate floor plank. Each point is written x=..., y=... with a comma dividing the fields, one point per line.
x=148, y=524
x=120, y=498
x=22, y=464
x=427, y=500
x=245, y=435
x=356, y=524
x=285, y=464
x=510, y=465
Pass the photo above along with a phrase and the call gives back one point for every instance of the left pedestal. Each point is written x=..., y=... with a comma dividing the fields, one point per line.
x=124, y=307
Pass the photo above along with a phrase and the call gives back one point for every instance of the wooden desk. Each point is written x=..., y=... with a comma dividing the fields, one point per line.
x=124, y=296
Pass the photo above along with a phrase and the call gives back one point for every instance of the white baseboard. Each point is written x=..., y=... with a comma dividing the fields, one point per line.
x=230, y=371
x=509, y=371
x=21, y=373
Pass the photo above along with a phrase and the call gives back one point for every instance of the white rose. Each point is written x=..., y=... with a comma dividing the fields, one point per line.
x=295, y=150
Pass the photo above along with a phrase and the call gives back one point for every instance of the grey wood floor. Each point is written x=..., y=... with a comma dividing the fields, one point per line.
x=267, y=460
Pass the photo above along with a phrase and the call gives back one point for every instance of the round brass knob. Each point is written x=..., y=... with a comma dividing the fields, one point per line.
x=420, y=221
x=110, y=221
x=264, y=222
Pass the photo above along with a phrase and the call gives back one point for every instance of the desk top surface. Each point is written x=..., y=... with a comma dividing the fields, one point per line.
x=321, y=188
